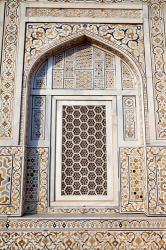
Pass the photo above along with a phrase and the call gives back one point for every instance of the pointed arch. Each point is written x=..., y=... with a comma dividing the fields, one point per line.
x=77, y=39
x=109, y=46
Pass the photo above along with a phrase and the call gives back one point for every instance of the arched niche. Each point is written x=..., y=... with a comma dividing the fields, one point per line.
x=120, y=99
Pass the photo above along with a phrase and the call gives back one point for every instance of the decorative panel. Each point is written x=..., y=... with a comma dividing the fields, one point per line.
x=84, y=67
x=54, y=224
x=10, y=180
x=88, y=239
x=6, y=164
x=38, y=117
x=156, y=163
x=129, y=117
x=127, y=77
x=158, y=53
x=8, y=68
x=84, y=165
x=40, y=81
x=82, y=12
x=36, y=198
x=41, y=36
x=133, y=191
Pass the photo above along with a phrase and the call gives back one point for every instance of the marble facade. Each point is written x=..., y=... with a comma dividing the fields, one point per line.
x=56, y=53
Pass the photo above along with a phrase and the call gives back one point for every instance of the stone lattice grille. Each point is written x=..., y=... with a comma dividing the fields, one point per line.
x=84, y=163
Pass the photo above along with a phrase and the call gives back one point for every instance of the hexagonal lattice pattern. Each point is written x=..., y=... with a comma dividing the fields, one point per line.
x=84, y=163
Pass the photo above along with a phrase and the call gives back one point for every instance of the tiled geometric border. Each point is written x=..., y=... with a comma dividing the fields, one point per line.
x=84, y=240
x=156, y=164
x=47, y=223
x=6, y=168
x=15, y=206
x=132, y=168
x=38, y=158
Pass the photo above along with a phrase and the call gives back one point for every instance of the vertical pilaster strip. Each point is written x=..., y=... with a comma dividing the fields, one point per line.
x=2, y=12
x=8, y=70
x=158, y=66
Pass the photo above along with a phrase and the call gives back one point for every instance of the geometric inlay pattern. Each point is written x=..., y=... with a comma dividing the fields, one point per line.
x=32, y=178
x=133, y=189
x=8, y=67
x=84, y=165
x=40, y=77
x=10, y=180
x=156, y=163
x=136, y=193
x=127, y=77
x=36, y=196
x=5, y=178
x=38, y=117
x=84, y=66
x=54, y=224
x=161, y=176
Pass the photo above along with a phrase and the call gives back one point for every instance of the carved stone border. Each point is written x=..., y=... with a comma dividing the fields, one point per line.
x=159, y=65
x=88, y=240
x=55, y=224
x=8, y=69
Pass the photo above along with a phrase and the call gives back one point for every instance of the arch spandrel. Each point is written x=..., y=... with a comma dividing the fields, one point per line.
x=56, y=46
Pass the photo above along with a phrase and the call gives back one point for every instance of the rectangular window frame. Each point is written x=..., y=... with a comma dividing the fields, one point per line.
x=112, y=198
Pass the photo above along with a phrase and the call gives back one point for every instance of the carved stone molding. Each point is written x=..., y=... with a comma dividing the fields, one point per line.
x=89, y=239
x=66, y=12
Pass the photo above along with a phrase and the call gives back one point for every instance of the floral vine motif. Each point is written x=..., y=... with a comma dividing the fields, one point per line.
x=159, y=67
x=84, y=240
x=129, y=37
x=9, y=68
